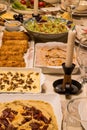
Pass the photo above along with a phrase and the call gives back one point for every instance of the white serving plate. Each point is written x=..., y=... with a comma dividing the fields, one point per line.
x=52, y=69
x=28, y=11
x=82, y=13
x=52, y=99
x=57, y=8
x=25, y=72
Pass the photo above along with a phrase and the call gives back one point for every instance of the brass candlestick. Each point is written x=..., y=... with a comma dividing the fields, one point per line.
x=67, y=85
x=67, y=75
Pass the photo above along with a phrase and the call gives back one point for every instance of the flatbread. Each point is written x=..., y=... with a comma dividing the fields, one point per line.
x=27, y=115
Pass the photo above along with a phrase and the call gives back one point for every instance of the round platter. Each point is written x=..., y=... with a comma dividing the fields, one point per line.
x=3, y=8
x=28, y=11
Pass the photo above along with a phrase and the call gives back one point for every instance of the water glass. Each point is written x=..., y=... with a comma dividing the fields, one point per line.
x=82, y=61
x=77, y=114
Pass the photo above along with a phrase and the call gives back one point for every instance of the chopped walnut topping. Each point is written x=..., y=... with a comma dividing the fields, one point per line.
x=19, y=81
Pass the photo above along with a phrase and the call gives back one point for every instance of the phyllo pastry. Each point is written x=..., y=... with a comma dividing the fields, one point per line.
x=14, y=46
x=15, y=35
x=12, y=63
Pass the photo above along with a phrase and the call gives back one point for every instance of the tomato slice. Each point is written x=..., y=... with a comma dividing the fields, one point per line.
x=23, y=2
x=32, y=1
x=41, y=4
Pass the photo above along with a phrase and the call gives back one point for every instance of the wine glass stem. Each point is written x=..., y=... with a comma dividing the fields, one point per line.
x=71, y=16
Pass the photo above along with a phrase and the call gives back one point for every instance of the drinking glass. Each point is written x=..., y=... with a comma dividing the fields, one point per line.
x=70, y=5
x=77, y=114
x=82, y=61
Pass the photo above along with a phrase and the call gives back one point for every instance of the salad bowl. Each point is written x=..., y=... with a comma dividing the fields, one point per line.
x=48, y=28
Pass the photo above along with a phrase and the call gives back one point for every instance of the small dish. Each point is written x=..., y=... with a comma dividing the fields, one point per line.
x=12, y=25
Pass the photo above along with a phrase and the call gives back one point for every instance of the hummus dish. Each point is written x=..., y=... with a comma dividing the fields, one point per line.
x=50, y=54
x=27, y=115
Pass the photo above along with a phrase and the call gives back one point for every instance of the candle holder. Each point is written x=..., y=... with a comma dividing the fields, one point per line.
x=37, y=17
x=67, y=85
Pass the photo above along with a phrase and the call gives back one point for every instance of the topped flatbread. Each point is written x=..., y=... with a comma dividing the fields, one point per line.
x=27, y=115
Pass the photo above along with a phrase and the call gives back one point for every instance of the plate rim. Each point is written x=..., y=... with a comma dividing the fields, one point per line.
x=23, y=11
x=5, y=8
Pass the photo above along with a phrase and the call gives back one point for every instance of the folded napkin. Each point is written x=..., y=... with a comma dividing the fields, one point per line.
x=83, y=113
x=81, y=33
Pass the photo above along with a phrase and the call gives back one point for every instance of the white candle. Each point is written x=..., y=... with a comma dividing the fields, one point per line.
x=70, y=48
x=35, y=7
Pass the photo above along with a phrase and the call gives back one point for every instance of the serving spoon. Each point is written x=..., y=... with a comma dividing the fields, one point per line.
x=5, y=20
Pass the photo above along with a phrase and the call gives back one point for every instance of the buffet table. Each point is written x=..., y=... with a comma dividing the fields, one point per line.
x=50, y=78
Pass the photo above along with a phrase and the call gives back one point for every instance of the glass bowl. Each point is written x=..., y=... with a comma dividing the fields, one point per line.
x=77, y=110
x=50, y=34
x=12, y=25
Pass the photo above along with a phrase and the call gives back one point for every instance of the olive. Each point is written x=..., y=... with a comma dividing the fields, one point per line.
x=15, y=16
x=20, y=15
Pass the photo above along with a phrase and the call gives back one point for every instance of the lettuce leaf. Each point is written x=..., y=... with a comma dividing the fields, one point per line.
x=18, y=5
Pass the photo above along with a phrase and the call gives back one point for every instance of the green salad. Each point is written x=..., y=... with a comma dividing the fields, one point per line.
x=49, y=26
x=18, y=5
